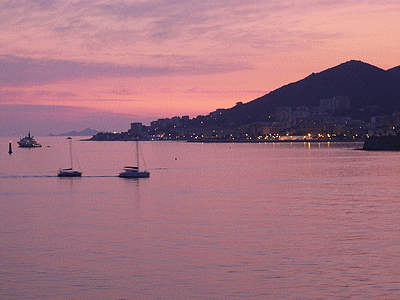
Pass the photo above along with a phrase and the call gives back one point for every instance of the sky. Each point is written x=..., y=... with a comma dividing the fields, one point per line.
x=67, y=65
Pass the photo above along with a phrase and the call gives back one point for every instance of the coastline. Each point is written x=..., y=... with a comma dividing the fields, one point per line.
x=230, y=141
x=276, y=141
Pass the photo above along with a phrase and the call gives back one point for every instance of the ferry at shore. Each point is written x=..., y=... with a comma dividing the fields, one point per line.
x=28, y=142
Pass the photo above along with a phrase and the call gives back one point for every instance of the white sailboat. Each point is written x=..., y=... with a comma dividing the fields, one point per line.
x=69, y=172
x=134, y=172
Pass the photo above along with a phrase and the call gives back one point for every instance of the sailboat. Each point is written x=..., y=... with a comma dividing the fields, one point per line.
x=134, y=172
x=69, y=172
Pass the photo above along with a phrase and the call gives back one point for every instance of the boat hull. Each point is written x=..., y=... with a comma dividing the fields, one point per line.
x=29, y=145
x=128, y=174
x=69, y=174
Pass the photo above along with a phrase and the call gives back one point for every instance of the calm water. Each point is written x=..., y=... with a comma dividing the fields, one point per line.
x=213, y=221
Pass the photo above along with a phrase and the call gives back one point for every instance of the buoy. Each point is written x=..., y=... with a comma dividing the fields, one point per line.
x=9, y=148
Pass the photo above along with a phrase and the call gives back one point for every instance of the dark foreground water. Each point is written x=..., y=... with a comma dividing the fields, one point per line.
x=213, y=221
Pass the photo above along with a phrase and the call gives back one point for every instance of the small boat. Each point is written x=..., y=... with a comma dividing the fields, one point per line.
x=28, y=142
x=133, y=172
x=69, y=172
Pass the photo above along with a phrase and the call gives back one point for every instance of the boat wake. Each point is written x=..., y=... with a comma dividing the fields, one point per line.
x=26, y=176
x=53, y=176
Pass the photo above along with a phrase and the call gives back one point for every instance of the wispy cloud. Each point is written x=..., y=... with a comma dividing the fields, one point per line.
x=23, y=97
x=123, y=91
x=61, y=119
x=197, y=90
x=22, y=71
x=131, y=28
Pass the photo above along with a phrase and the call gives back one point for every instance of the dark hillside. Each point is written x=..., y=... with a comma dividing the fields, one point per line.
x=394, y=71
x=366, y=85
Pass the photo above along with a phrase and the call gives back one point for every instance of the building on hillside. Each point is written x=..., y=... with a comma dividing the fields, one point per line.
x=301, y=115
x=283, y=114
x=333, y=104
x=136, y=128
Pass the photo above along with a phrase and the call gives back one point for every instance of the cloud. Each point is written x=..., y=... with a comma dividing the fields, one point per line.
x=44, y=4
x=11, y=96
x=197, y=90
x=132, y=28
x=122, y=91
x=22, y=71
x=44, y=119
x=21, y=96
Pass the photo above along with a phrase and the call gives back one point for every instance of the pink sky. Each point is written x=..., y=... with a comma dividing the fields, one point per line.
x=68, y=65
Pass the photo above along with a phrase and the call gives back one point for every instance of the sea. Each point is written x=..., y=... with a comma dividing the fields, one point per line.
x=301, y=220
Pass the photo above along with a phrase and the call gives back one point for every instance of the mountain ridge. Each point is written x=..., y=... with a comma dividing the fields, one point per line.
x=365, y=84
x=85, y=132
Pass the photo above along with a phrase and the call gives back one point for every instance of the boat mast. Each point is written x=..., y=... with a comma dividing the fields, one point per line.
x=70, y=151
x=137, y=154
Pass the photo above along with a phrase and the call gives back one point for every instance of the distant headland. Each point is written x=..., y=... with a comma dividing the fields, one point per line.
x=86, y=132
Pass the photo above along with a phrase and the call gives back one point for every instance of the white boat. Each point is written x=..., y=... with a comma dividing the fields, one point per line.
x=28, y=142
x=69, y=172
x=134, y=172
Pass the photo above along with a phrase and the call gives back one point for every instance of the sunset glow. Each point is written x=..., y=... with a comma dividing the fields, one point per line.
x=68, y=65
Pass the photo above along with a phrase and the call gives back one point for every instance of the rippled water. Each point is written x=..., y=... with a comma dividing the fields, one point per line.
x=213, y=221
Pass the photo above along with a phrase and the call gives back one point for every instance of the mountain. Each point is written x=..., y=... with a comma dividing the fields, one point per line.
x=86, y=132
x=394, y=71
x=365, y=84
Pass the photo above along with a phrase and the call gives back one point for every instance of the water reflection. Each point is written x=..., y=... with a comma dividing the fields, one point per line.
x=222, y=221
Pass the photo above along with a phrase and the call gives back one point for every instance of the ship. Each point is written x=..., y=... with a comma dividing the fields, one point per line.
x=28, y=142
